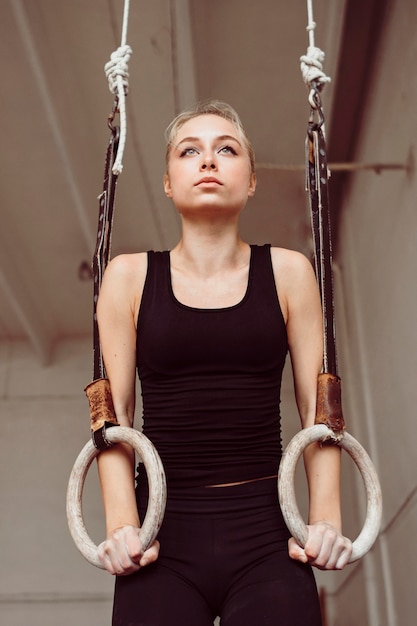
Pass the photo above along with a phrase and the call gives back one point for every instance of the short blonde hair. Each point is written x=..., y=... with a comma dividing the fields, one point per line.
x=212, y=107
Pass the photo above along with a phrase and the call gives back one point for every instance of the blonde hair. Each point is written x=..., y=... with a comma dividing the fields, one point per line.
x=212, y=107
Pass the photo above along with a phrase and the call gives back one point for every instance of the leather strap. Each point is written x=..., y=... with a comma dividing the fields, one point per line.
x=329, y=408
x=329, y=402
x=102, y=413
x=103, y=242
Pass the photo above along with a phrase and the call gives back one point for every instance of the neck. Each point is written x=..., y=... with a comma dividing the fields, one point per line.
x=210, y=249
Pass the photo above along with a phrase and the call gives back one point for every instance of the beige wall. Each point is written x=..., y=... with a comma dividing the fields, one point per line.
x=45, y=422
x=377, y=312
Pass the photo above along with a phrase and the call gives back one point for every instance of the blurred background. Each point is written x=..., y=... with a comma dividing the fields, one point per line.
x=54, y=102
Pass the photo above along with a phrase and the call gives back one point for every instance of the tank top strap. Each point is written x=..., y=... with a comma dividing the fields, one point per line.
x=262, y=275
x=158, y=263
x=157, y=276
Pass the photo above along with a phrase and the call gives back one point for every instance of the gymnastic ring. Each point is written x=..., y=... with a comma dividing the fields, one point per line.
x=157, y=491
x=286, y=492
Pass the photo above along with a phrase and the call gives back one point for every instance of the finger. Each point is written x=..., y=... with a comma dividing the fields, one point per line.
x=296, y=552
x=132, y=543
x=321, y=540
x=121, y=552
x=314, y=541
x=318, y=547
x=327, y=548
x=344, y=557
x=126, y=563
x=151, y=554
x=108, y=558
x=336, y=559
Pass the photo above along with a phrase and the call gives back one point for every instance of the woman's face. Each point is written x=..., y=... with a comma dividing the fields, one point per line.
x=209, y=167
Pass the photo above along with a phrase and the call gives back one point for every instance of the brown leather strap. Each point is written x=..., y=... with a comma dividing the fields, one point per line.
x=329, y=402
x=102, y=413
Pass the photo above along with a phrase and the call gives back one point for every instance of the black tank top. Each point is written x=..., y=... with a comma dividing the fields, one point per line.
x=211, y=378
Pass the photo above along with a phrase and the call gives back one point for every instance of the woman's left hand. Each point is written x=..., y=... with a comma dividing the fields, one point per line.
x=326, y=548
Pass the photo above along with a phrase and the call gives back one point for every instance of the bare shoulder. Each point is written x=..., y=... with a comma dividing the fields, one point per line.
x=126, y=272
x=123, y=281
x=290, y=265
x=294, y=278
x=125, y=266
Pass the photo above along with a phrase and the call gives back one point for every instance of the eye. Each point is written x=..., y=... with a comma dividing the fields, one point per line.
x=189, y=151
x=227, y=150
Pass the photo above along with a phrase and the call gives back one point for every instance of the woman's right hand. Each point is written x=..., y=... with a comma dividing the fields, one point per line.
x=121, y=553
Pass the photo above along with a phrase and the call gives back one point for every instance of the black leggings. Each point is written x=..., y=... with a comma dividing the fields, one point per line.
x=223, y=552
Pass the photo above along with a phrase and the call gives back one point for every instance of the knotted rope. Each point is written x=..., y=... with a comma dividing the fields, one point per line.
x=312, y=70
x=311, y=63
x=117, y=72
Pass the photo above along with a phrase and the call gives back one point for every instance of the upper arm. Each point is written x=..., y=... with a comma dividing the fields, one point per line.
x=300, y=301
x=117, y=310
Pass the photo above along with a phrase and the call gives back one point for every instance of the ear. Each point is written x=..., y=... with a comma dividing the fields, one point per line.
x=252, y=185
x=167, y=186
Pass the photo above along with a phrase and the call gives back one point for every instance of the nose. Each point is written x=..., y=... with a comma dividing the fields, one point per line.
x=208, y=162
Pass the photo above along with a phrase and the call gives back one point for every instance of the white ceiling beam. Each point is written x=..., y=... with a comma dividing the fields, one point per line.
x=13, y=284
x=34, y=61
x=19, y=299
x=185, y=86
x=32, y=326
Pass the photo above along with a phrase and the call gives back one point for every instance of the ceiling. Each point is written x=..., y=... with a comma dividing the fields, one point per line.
x=55, y=101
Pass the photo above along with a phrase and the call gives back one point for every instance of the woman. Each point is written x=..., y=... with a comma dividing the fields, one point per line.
x=208, y=325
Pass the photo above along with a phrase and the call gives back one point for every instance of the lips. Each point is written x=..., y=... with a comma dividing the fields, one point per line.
x=208, y=179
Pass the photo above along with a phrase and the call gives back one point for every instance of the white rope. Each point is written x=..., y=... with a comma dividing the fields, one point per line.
x=117, y=73
x=311, y=23
x=312, y=62
x=125, y=23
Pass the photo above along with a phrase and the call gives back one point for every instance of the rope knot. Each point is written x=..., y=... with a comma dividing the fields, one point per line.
x=312, y=66
x=117, y=68
x=312, y=71
x=117, y=74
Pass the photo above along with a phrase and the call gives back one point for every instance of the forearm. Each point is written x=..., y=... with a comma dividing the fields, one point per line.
x=322, y=463
x=116, y=472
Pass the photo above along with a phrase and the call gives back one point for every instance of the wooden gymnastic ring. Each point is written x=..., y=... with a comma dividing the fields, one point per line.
x=286, y=492
x=157, y=491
